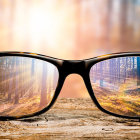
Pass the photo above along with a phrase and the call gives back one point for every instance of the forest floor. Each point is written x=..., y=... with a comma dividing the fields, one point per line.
x=71, y=118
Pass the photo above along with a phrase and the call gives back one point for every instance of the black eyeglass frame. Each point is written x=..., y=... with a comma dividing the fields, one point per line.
x=66, y=67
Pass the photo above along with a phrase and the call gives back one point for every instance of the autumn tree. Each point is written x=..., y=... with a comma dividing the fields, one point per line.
x=138, y=71
x=17, y=81
x=43, y=99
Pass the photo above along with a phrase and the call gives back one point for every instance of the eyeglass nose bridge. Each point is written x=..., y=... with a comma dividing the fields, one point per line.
x=73, y=67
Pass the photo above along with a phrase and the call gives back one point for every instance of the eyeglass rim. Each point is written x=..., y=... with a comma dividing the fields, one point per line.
x=85, y=75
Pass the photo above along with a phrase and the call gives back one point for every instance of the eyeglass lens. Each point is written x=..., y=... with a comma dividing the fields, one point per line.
x=116, y=85
x=27, y=85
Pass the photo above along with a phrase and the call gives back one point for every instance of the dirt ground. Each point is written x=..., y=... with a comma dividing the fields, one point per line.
x=71, y=118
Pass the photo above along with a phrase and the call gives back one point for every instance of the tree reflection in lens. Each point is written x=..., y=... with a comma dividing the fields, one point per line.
x=116, y=85
x=27, y=85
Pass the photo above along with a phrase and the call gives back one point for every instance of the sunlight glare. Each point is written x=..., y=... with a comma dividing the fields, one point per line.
x=44, y=23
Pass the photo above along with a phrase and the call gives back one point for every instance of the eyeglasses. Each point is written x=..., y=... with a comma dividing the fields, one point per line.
x=30, y=83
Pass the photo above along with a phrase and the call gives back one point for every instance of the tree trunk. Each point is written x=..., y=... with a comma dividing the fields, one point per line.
x=43, y=100
x=17, y=81
x=138, y=71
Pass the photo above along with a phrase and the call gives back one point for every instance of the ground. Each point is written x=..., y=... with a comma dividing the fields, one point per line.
x=69, y=118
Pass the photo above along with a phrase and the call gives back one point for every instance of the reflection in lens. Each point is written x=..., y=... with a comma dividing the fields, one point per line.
x=27, y=85
x=116, y=85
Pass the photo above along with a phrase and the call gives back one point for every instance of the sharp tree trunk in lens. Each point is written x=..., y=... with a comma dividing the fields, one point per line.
x=110, y=70
x=32, y=77
x=133, y=67
x=118, y=69
x=24, y=71
x=126, y=67
x=22, y=83
x=10, y=78
x=43, y=100
x=113, y=70
x=101, y=74
x=138, y=71
x=5, y=75
x=17, y=82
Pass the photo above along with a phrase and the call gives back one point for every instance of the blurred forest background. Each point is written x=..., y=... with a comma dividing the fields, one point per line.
x=70, y=29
